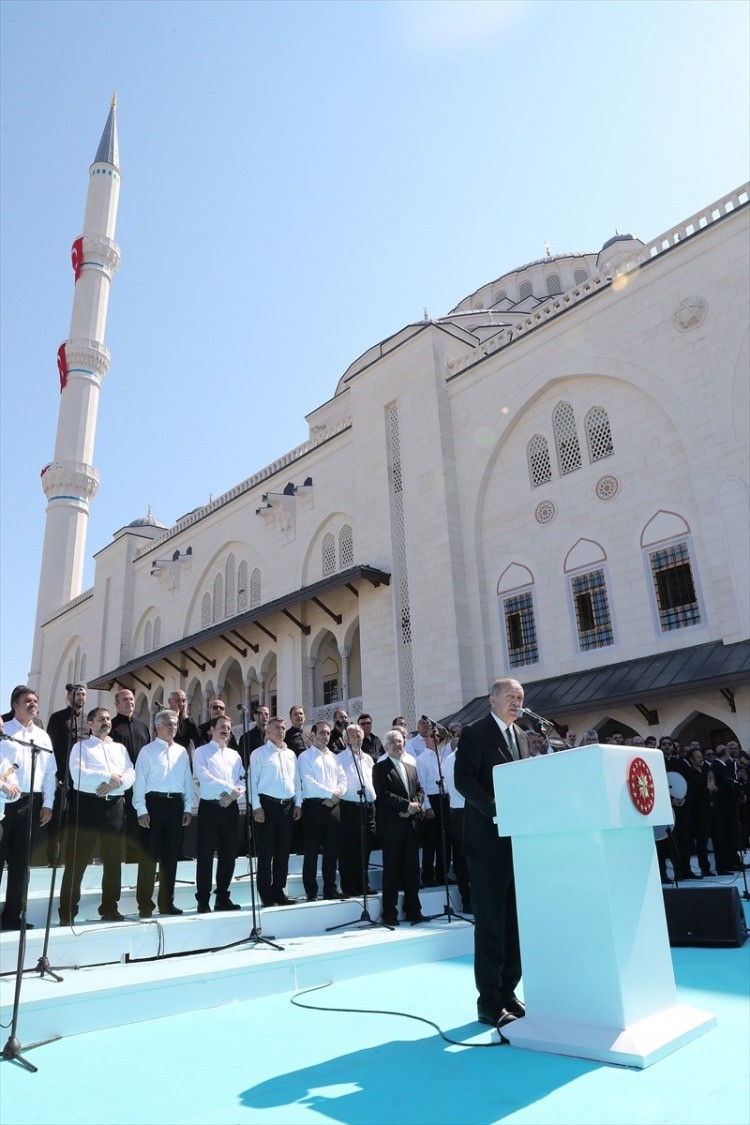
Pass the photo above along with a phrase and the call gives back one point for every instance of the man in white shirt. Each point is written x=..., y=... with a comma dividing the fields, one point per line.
x=436, y=807
x=357, y=802
x=277, y=802
x=100, y=772
x=27, y=806
x=163, y=799
x=323, y=785
x=457, y=802
x=417, y=745
x=218, y=773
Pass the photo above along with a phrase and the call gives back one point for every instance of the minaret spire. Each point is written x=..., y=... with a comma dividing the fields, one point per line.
x=70, y=481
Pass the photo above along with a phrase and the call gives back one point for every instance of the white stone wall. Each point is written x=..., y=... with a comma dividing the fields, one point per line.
x=676, y=398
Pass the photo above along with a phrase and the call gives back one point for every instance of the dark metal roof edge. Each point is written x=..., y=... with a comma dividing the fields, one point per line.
x=305, y=593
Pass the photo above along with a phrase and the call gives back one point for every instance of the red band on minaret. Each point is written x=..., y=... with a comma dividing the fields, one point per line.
x=62, y=366
x=76, y=256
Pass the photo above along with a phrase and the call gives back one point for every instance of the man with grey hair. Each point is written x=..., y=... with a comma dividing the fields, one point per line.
x=589, y=737
x=492, y=741
x=163, y=799
x=399, y=796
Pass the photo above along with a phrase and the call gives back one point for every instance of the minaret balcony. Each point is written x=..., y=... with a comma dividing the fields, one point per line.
x=100, y=252
x=70, y=480
x=87, y=356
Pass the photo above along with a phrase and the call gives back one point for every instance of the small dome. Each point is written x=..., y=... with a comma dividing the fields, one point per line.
x=619, y=238
x=147, y=521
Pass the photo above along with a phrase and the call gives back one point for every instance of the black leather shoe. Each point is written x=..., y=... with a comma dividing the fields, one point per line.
x=505, y=1018
x=64, y=921
x=516, y=1007
x=282, y=900
x=417, y=919
x=227, y=904
x=485, y=1017
x=312, y=898
x=203, y=908
x=334, y=894
x=145, y=913
x=111, y=916
x=389, y=920
x=171, y=910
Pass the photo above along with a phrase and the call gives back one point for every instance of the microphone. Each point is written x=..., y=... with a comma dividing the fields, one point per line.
x=427, y=719
x=532, y=715
x=241, y=707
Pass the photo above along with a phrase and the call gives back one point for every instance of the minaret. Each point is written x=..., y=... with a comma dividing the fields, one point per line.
x=70, y=481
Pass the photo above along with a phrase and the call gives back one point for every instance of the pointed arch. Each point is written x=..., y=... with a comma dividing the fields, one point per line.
x=584, y=552
x=598, y=434
x=663, y=525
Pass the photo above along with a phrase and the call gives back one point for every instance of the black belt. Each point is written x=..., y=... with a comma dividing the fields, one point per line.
x=276, y=800
x=170, y=796
x=106, y=797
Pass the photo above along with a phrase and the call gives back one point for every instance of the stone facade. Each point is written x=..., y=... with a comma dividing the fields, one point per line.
x=554, y=476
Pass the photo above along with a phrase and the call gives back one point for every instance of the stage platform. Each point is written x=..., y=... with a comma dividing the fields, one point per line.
x=214, y=1036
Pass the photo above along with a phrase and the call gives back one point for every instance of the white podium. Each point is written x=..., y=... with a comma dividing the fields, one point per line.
x=597, y=970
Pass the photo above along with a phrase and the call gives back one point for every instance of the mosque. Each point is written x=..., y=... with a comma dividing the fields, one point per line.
x=549, y=481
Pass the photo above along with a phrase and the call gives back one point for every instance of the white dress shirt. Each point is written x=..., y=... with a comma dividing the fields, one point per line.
x=217, y=771
x=346, y=760
x=45, y=767
x=458, y=801
x=427, y=771
x=510, y=738
x=273, y=771
x=93, y=762
x=162, y=769
x=320, y=774
x=415, y=746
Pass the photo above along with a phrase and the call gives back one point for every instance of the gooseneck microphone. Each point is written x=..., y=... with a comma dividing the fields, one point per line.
x=532, y=715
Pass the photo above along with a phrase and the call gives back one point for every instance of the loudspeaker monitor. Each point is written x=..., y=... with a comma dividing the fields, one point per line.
x=704, y=916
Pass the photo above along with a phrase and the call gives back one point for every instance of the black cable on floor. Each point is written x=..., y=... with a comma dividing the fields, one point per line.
x=502, y=1042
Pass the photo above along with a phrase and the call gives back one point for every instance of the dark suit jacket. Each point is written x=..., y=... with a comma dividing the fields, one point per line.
x=481, y=747
x=59, y=730
x=392, y=798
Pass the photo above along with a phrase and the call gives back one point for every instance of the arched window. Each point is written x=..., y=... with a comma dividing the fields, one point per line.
x=229, y=586
x=218, y=597
x=675, y=591
x=499, y=296
x=157, y=632
x=329, y=554
x=579, y=276
x=83, y=668
x=566, y=438
x=553, y=285
x=520, y=629
x=206, y=611
x=255, y=589
x=242, y=588
x=537, y=455
x=598, y=434
x=526, y=290
x=346, y=547
x=591, y=605
x=147, y=635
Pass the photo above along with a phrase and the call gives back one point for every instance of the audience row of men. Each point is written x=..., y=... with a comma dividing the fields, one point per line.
x=336, y=791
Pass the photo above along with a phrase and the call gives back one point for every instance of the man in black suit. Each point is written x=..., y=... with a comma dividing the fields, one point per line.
x=398, y=807
x=492, y=741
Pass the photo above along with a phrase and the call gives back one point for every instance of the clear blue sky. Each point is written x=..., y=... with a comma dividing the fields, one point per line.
x=300, y=180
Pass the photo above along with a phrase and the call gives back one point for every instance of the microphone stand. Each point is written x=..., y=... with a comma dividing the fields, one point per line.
x=12, y=1051
x=365, y=920
x=43, y=966
x=448, y=911
x=255, y=936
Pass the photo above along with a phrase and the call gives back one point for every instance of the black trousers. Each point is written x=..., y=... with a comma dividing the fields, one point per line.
x=432, y=843
x=273, y=840
x=350, y=845
x=497, y=953
x=217, y=832
x=13, y=852
x=94, y=824
x=159, y=844
x=401, y=869
x=322, y=829
x=460, y=866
